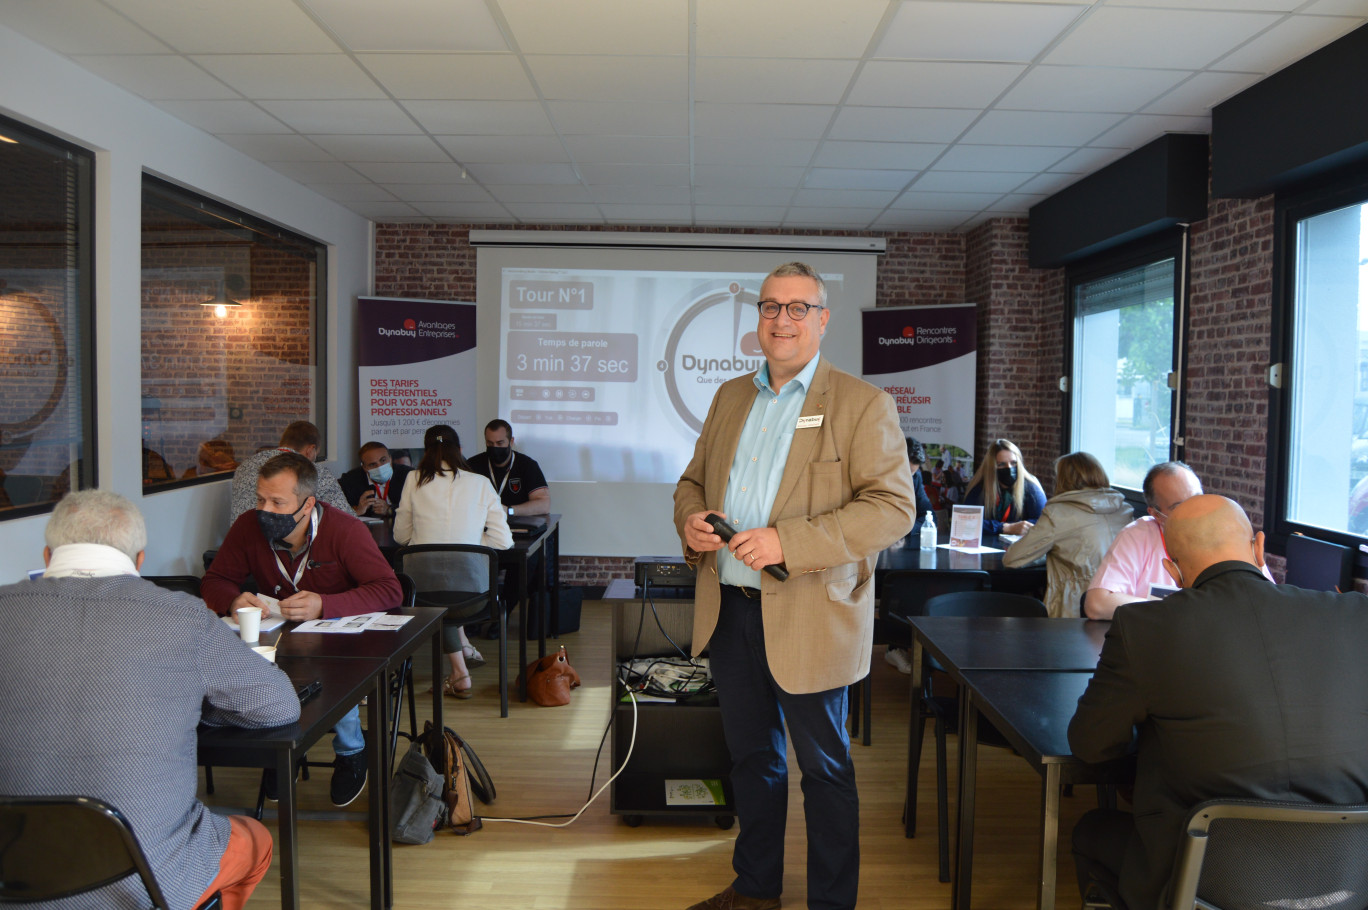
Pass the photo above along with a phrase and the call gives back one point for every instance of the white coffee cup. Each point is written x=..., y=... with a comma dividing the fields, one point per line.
x=249, y=624
x=266, y=651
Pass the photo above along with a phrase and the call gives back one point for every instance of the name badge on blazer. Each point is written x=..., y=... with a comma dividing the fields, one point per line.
x=814, y=421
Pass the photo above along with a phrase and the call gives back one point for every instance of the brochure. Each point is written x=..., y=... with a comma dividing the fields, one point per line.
x=694, y=793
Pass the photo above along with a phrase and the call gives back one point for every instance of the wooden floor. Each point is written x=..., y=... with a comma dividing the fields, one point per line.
x=541, y=758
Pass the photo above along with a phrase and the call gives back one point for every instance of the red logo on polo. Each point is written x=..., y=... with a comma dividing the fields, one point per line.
x=410, y=324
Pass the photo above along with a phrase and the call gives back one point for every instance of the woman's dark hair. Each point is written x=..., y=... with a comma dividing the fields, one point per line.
x=441, y=449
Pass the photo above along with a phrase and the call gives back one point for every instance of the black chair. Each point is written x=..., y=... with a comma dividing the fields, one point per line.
x=463, y=579
x=1245, y=854
x=1319, y=565
x=186, y=584
x=53, y=847
x=901, y=594
x=944, y=710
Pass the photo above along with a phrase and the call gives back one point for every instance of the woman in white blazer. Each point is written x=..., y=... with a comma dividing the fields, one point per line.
x=445, y=502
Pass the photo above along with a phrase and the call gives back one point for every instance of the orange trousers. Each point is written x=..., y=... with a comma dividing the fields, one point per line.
x=244, y=863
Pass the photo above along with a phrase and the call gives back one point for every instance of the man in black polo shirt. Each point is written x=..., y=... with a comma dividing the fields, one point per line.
x=517, y=478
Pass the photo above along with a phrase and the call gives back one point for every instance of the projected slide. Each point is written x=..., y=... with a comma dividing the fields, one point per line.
x=607, y=375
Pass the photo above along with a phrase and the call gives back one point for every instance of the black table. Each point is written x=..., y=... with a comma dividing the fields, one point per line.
x=1011, y=642
x=907, y=554
x=1032, y=709
x=538, y=544
x=344, y=683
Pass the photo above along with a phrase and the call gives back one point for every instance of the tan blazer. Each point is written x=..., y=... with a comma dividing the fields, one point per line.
x=846, y=493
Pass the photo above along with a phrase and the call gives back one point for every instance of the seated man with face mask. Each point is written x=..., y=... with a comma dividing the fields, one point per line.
x=516, y=478
x=316, y=560
x=376, y=487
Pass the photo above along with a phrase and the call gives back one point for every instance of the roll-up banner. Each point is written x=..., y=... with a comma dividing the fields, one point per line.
x=417, y=368
x=925, y=357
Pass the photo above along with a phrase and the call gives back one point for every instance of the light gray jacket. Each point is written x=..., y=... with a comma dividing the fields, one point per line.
x=1073, y=534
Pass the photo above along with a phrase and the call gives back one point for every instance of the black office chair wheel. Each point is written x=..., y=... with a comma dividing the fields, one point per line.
x=632, y=821
x=725, y=822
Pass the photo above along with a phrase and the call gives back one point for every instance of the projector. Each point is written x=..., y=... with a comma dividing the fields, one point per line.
x=663, y=572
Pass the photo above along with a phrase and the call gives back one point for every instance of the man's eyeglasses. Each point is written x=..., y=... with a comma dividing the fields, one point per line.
x=797, y=309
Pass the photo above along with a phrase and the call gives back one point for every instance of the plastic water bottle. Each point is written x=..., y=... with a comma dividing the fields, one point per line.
x=928, y=532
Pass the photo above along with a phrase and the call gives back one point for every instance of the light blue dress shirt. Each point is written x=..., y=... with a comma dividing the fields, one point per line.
x=758, y=466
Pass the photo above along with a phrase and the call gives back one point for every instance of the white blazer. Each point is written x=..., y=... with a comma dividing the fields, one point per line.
x=455, y=507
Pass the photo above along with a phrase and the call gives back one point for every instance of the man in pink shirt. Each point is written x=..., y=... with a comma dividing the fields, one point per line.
x=1135, y=560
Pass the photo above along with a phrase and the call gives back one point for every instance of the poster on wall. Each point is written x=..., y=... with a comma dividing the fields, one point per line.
x=926, y=357
x=416, y=368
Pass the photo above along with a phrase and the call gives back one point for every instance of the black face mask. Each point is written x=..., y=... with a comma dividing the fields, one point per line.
x=276, y=525
x=498, y=454
x=1006, y=474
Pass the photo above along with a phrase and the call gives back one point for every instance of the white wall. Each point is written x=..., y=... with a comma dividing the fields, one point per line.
x=130, y=136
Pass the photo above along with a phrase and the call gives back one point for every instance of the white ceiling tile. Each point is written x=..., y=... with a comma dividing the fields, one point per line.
x=840, y=178
x=1039, y=128
x=1201, y=93
x=648, y=214
x=1177, y=38
x=342, y=116
x=451, y=77
x=381, y=211
x=1088, y=88
x=438, y=192
x=784, y=81
x=896, y=83
x=523, y=173
x=1001, y=158
x=866, y=199
x=391, y=148
x=240, y=27
x=976, y=31
x=636, y=174
x=746, y=151
x=224, y=116
x=1016, y=204
x=556, y=213
x=890, y=124
x=642, y=195
x=754, y=215
x=601, y=27
x=620, y=118
x=564, y=78
x=744, y=195
x=967, y=182
x=768, y=121
x=1046, y=184
x=909, y=220
x=830, y=218
x=1290, y=39
x=787, y=28
x=423, y=25
x=347, y=193
x=311, y=76
x=539, y=192
x=480, y=118
x=1267, y=6
x=465, y=211
x=730, y=175
x=1085, y=161
x=884, y=155
x=629, y=149
x=945, y=202
x=1336, y=8
x=319, y=172
x=411, y=173
x=505, y=149
x=160, y=77
x=275, y=146
x=79, y=27
x=1139, y=129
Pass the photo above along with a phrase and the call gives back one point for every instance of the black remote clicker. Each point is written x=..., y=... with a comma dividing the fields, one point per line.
x=726, y=532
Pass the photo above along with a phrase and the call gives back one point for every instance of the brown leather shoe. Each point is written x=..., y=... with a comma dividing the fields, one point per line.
x=730, y=900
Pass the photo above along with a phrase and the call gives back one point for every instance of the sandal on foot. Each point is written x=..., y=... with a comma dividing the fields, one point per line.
x=473, y=658
x=449, y=687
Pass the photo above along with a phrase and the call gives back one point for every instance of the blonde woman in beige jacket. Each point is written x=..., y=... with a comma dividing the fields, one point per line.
x=1074, y=531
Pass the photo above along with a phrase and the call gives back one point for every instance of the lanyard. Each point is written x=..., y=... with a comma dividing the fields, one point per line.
x=381, y=489
x=314, y=518
x=499, y=485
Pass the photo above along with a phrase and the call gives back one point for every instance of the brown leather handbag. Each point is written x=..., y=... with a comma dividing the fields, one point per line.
x=550, y=679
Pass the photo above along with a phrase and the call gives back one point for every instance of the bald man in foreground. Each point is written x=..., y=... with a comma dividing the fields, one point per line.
x=1232, y=687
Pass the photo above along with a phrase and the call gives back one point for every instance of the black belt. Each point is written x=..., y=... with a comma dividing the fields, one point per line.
x=748, y=593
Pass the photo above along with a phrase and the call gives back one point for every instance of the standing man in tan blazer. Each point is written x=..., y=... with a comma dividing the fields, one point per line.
x=808, y=464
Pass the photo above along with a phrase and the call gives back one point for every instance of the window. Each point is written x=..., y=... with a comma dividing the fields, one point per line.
x=1122, y=351
x=231, y=317
x=1320, y=438
x=47, y=410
